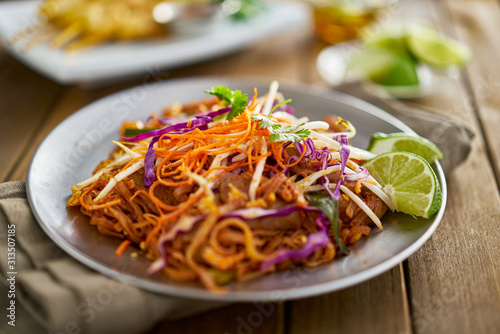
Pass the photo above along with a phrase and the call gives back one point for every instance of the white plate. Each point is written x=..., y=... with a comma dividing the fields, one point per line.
x=72, y=150
x=114, y=61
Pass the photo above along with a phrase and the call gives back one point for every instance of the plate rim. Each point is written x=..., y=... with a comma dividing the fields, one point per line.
x=240, y=296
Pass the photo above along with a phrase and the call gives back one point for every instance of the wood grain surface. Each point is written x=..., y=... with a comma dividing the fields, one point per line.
x=450, y=285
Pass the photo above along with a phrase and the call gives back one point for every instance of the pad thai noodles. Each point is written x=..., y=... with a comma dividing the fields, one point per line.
x=233, y=187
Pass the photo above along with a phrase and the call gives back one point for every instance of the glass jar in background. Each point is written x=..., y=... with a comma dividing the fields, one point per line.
x=337, y=21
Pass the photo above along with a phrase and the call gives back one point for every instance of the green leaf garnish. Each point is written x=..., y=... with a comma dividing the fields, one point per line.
x=236, y=99
x=290, y=129
x=239, y=104
x=129, y=132
x=279, y=133
x=329, y=206
x=265, y=122
x=294, y=136
x=222, y=92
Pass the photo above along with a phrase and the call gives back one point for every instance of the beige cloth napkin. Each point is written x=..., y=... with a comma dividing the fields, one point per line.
x=56, y=294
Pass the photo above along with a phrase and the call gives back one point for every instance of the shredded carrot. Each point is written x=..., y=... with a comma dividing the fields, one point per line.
x=144, y=192
x=119, y=251
x=250, y=146
x=167, y=183
x=254, y=100
x=159, y=170
x=273, y=168
x=277, y=155
x=104, y=205
x=97, y=206
x=173, y=215
x=357, y=186
x=300, y=157
x=156, y=200
x=220, y=128
x=235, y=166
x=131, y=162
x=201, y=163
x=241, y=140
x=173, y=172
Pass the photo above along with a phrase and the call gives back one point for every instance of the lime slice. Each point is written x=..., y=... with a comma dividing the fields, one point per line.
x=383, y=143
x=409, y=181
x=384, y=67
x=402, y=72
x=436, y=50
x=370, y=62
x=392, y=37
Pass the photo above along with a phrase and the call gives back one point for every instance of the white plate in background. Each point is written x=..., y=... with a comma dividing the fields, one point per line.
x=113, y=61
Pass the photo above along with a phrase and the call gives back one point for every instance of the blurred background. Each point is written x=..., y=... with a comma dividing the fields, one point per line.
x=98, y=43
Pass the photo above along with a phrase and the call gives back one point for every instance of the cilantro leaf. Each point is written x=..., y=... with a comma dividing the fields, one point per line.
x=294, y=136
x=278, y=132
x=290, y=129
x=290, y=133
x=265, y=122
x=222, y=92
x=239, y=104
x=236, y=99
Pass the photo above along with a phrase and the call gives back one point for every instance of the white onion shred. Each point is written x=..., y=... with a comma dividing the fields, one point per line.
x=362, y=154
x=117, y=162
x=217, y=163
x=201, y=182
x=310, y=179
x=316, y=125
x=319, y=187
x=257, y=109
x=126, y=149
x=329, y=141
x=381, y=194
x=92, y=179
x=118, y=177
x=257, y=175
x=271, y=95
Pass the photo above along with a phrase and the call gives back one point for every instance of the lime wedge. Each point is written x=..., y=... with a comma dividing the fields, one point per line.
x=391, y=37
x=383, y=143
x=436, y=50
x=402, y=72
x=409, y=181
x=370, y=62
x=383, y=67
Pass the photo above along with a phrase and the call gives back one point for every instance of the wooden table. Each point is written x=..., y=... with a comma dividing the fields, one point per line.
x=451, y=285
